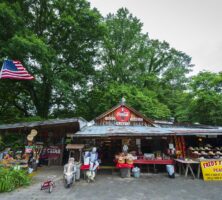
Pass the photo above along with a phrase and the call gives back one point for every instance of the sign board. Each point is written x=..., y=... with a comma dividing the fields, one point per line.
x=171, y=146
x=136, y=119
x=122, y=114
x=212, y=170
x=110, y=118
x=51, y=152
x=123, y=123
x=138, y=142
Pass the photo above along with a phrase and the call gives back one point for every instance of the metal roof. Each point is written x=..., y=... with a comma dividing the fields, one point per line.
x=107, y=131
x=196, y=131
x=82, y=122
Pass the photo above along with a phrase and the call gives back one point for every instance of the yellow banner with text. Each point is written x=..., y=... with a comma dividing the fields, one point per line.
x=212, y=170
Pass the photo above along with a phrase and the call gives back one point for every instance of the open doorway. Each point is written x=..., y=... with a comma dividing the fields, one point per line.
x=107, y=150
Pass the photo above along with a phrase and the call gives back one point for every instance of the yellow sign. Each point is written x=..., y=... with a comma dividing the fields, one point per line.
x=212, y=170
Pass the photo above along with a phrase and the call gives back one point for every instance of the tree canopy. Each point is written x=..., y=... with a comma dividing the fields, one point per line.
x=56, y=41
x=84, y=63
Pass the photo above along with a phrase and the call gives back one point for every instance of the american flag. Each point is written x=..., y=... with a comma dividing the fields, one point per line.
x=14, y=70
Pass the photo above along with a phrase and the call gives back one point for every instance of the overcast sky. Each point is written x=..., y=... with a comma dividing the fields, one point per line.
x=191, y=26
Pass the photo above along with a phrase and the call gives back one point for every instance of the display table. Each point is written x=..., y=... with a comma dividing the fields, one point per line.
x=124, y=165
x=188, y=167
x=154, y=162
x=124, y=169
x=84, y=168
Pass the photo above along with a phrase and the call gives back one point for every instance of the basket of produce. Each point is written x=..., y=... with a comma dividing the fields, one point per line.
x=121, y=160
x=129, y=161
x=130, y=158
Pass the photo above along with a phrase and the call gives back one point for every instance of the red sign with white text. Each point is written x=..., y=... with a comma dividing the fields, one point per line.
x=122, y=114
x=51, y=152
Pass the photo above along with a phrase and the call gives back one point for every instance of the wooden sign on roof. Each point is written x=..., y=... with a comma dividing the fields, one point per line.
x=123, y=115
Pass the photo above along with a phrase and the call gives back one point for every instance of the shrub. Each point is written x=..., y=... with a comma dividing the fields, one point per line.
x=11, y=179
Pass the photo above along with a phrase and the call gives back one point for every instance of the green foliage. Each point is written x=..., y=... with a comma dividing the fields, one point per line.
x=11, y=179
x=2, y=144
x=131, y=59
x=124, y=47
x=143, y=100
x=84, y=64
x=130, y=56
x=14, y=141
x=56, y=41
x=206, y=102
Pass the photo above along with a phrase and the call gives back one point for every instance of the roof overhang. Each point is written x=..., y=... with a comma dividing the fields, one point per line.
x=43, y=124
x=121, y=131
x=142, y=131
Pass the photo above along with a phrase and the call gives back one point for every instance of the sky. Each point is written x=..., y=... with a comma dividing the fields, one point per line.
x=191, y=26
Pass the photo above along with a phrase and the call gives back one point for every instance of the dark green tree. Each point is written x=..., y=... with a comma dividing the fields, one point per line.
x=124, y=48
x=57, y=42
x=142, y=100
x=130, y=57
x=206, y=104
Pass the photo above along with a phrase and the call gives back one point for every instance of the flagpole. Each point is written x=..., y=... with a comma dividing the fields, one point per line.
x=6, y=58
x=2, y=69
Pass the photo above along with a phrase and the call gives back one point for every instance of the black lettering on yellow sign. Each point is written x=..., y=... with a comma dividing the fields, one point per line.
x=212, y=170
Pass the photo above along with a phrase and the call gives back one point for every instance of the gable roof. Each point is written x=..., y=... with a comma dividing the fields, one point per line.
x=149, y=121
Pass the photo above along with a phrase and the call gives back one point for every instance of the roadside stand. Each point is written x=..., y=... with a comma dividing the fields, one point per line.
x=152, y=146
x=205, y=159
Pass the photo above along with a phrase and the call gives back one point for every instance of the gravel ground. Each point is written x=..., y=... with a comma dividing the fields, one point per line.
x=107, y=187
